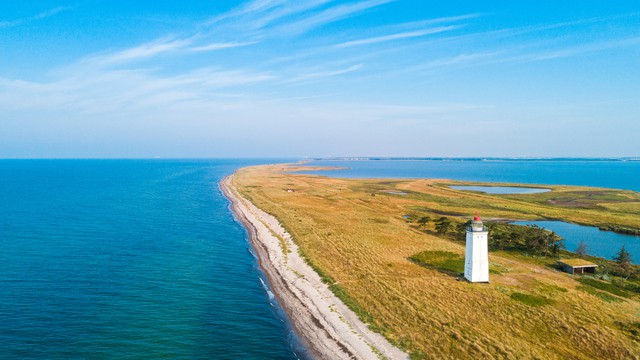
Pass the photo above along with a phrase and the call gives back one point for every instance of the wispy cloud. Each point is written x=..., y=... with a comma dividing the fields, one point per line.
x=462, y=59
x=258, y=14
x=520, y=54
x=250, y=23
x=324, y=74
x=246, y=8
x=140, y=52
x=571, y=51
x=104, y=90
x=288, y=70
x=330, y=15
x=398, y=36
x=39, y=16
x=220, y=46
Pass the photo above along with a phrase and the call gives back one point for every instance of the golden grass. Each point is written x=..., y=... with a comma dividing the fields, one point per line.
x=353, y=232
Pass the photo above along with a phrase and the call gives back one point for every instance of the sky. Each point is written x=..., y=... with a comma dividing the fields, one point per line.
x=319, y=78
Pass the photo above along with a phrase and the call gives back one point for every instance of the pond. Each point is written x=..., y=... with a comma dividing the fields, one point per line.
x=600, y=243
x=501, y=190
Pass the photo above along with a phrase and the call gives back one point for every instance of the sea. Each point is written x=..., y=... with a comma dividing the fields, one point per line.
x=143, y=259
x=130, y=259
x=608, y=173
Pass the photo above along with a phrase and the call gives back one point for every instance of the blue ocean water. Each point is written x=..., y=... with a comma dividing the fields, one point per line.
x=130, y=259
x=614, y=174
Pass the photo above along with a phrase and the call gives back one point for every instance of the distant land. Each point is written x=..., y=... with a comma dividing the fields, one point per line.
x=374, y=158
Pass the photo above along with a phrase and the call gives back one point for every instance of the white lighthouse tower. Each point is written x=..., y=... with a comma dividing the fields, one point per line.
x=476, y=261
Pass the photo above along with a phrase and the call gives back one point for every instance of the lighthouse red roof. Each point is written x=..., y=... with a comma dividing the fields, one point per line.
x=476, y=218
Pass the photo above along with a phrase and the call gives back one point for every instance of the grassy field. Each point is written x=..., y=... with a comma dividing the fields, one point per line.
x=403, y=280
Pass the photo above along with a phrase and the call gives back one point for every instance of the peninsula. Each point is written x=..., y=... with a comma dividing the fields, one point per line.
x=329, y=329
x=362, y=274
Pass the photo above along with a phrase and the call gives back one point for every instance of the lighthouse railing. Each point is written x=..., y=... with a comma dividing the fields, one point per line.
x=472, y=228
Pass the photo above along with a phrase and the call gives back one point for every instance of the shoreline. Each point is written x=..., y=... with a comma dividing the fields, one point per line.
x=326, y=326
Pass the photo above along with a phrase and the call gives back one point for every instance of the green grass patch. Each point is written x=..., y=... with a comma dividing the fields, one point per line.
x=449, y=262
x=605, y=286
x=441, y=260
x=632, y=328
x=602, y=295
x=629, y=285
x=620, y=229
x=497, y=269
x=531, y=300
x=550, y=289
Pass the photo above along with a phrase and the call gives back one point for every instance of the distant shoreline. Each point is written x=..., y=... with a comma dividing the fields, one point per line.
x=375, y=158
x=328, y=328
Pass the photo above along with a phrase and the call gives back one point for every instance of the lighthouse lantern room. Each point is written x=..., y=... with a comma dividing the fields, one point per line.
x=476, y=267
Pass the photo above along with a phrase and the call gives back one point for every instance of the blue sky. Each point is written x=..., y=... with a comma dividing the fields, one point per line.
x=274, y=78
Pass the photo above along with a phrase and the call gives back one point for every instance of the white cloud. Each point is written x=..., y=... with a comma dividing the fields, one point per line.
x=329, y=15
x=398, y=36
x=220, y=46
x=39, y=16
x=247, y=8
x=140, y=52
x=571, y=51
x=324, y=74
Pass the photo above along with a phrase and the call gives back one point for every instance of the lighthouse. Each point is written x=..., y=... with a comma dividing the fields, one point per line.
x=476, y=261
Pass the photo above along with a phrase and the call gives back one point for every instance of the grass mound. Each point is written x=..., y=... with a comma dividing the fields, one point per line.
x=441, y=260
x=531, y=300
x=608, y=287
x=602, y=295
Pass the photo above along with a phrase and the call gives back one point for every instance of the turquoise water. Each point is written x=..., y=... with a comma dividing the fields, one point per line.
x=600, y=243
x=130, y=259
x=614, y=174
x=501, y=190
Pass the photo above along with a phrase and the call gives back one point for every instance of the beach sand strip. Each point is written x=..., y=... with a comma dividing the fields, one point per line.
x=327, y=327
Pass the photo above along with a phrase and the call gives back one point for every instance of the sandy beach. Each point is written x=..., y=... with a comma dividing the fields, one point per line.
x=329, y=329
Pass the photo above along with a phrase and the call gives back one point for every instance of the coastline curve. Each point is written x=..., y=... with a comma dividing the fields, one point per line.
x=328, y=328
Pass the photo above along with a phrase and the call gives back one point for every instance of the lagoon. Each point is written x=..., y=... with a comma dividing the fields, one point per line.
x=599, y=243
x=500, y=190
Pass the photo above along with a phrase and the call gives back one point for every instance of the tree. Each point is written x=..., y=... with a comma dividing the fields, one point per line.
x=623, y=259
x=539, y=241
x=460, y=230
x=554, y=243
x=423, y=221
x=443, y=225
x=582, y=249
x=535, y=240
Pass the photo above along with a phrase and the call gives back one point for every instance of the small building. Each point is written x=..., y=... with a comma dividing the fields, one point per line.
x=577, y=266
